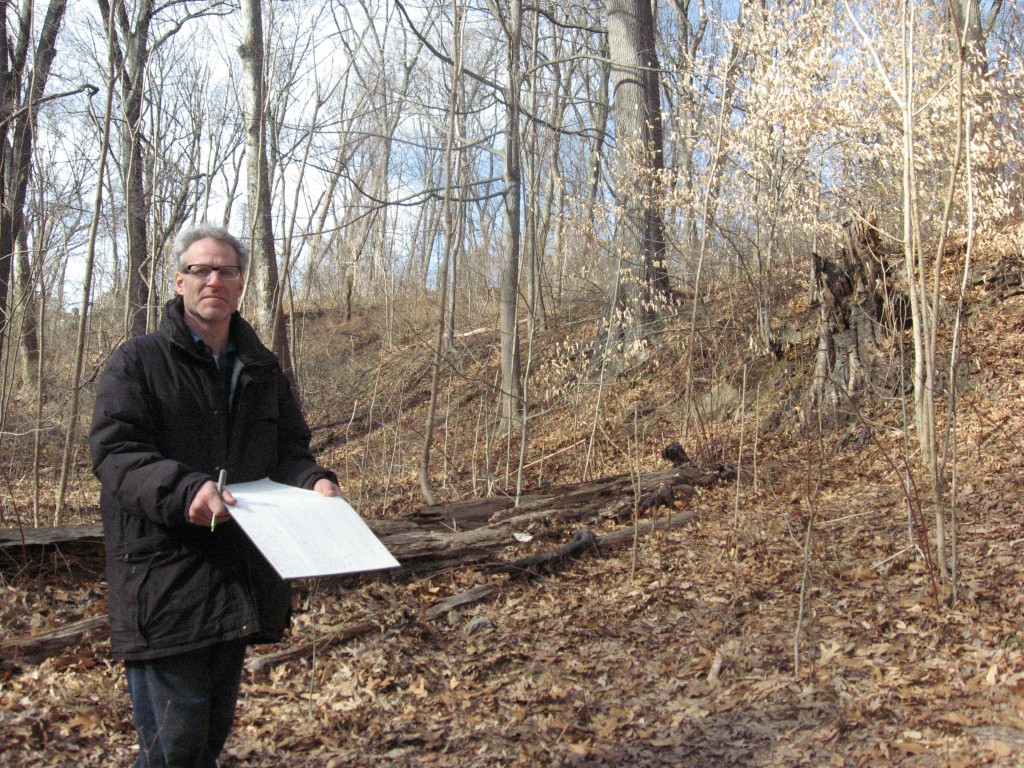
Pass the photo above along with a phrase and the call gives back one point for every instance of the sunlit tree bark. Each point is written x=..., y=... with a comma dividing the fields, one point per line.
x=24, y=72
x=511, y=374
x=641, y=283
x=263, y=271
x=971, y=28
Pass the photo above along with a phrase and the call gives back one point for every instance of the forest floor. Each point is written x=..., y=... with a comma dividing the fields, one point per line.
x=731, y=641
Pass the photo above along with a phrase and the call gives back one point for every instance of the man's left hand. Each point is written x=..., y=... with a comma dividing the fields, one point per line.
x=327, y=488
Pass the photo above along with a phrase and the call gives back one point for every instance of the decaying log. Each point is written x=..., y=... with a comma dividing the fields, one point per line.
x=477, y=531
x=33, y=649
x=11, y=538
x=585, y=540
x=303, y=650
x=470, y=596
x=625, y=535
x=455, y=533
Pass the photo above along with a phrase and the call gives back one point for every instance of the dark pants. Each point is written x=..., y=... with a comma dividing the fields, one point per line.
x=185, y=705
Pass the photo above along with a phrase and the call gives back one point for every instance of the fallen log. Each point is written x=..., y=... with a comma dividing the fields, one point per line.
x=473, y=532
x=474, y=529
x=450, y=538
x=469, y=597
x=585, y=540
x=33, y=649
x=303, y=650
x=17, y=537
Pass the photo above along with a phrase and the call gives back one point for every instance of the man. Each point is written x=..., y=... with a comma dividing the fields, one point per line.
x=187, y=590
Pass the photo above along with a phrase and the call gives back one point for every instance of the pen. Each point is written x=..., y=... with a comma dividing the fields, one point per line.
x=221, y=478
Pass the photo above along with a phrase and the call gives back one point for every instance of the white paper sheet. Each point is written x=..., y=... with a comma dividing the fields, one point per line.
x=303, y=534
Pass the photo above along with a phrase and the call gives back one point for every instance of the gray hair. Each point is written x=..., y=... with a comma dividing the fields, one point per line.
x=188, y=236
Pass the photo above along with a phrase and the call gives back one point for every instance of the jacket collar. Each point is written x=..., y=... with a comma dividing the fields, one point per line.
x=248, y=346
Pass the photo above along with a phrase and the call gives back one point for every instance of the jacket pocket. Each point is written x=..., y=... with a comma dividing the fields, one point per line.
x=181, y=599
x=126, y=574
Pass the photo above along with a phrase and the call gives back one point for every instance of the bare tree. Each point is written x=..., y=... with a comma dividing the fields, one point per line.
x=71, y=434
x=132, y=58
x=511, y=374
x=269, y=319
x=451, y=174
x=509, y=18
x=925, y=308
x=180, y=132
x=641, y=282
x=24, y=72
x=971, y=28
x=684, y=110
x=141, y=29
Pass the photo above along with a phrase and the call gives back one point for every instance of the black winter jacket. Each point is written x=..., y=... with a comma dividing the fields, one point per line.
x=161, y=428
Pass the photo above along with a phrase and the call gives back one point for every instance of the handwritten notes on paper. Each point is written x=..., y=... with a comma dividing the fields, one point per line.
x=303, y=534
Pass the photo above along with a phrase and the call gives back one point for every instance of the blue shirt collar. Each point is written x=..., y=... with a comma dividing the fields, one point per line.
x=230, y=348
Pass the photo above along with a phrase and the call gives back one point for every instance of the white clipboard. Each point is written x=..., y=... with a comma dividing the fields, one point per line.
x=303, y=534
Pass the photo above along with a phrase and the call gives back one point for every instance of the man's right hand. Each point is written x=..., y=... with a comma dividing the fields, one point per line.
x=206, y=505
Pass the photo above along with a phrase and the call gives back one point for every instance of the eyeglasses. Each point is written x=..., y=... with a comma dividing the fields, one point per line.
x=205, y=271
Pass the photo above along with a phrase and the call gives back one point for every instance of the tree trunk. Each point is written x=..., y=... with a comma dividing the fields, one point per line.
x=859, y=314
x=263, y=273
x=451, y=173
x=136, y=201
x=601, y=112
x=642, y=284
x=30, y=301
x=972, y=30
x=511, y=375
x=71, y=434
x=21, y=90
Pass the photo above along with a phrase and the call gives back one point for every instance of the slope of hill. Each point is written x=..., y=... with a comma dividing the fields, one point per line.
x=794, y=621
